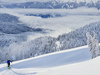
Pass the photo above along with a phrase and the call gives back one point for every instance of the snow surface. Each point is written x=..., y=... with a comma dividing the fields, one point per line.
x=74, y=61
x=91, y=67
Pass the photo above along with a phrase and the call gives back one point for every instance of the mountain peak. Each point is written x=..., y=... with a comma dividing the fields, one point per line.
x=21, y=1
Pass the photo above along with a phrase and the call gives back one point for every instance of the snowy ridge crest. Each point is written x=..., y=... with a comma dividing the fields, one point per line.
x=53, y=4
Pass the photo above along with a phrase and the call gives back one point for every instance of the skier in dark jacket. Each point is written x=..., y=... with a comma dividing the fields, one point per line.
x=8, y=62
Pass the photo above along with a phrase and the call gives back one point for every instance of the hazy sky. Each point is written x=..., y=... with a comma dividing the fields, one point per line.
x=14, y=1
x=18, y=1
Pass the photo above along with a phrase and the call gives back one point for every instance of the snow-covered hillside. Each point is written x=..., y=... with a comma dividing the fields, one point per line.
x=25, y=35
x=52, y=26
x=91, y=67
x=66, y=61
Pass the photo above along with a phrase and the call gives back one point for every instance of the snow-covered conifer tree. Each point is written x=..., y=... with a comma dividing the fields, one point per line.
x=58, y=45
x=93, y=44
x=96, y=44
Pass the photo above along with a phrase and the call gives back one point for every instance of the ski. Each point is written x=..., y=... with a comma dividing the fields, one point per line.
x=9, y=68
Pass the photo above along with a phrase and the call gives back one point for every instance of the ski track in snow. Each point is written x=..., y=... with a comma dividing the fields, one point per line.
x=48, y=62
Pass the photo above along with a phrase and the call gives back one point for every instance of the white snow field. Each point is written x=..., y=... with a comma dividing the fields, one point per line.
x=75, y=61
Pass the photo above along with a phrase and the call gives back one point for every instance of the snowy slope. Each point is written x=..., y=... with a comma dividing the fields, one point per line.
x=69, y=20
x=41, y=65
x=91, y=67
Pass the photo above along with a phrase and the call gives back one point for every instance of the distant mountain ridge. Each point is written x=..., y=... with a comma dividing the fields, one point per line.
x=10, y=24
x=52, y=5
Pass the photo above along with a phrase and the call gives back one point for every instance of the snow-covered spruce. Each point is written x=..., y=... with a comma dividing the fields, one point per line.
x=44, y=45
x=93, y=44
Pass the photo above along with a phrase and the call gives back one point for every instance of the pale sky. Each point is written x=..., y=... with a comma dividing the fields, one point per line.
x=19, y=1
